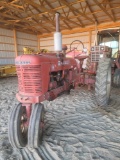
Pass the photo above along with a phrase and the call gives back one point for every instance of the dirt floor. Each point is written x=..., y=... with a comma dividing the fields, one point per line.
x=75, y=127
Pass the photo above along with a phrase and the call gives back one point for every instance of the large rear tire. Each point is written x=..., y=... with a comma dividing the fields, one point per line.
x=103, y=82
x=35, y=129
x=116, y=78
x=17, y=132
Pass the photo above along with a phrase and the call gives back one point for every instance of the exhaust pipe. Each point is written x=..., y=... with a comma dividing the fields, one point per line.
x=57, y=16
x=57, y=35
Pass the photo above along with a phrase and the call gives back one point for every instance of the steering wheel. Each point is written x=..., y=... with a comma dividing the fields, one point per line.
x=75, y=45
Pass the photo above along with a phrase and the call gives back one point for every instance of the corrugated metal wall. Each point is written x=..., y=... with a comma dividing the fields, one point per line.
x=48, y=43
x=7, y=48
x=26, y=40
x=7, y=51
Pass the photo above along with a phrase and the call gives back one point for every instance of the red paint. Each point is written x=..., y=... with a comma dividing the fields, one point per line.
x=44, y=76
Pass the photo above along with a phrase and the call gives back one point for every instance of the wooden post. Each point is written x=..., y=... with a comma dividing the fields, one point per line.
x=15, y=43
x=96, y=31
x=38, y=43
x=90, y=39
x=119, y=41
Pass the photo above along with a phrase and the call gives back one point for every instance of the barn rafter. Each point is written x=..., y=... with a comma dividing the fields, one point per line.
x=39, y=16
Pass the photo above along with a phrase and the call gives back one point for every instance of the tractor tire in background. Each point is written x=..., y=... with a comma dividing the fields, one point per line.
x=116, y=78
x=103, y=82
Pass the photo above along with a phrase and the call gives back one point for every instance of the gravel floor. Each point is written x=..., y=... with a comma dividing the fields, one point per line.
x=75, y=127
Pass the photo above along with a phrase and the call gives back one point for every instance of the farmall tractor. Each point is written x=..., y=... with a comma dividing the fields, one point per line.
x=44, y=77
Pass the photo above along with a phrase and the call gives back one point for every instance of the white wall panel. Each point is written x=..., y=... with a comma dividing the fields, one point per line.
x=7, y=61
x=7, y=48
x=7, y=51
x=26, y=40
x=26, y=36
x=6, y=32
x=6, y=39
x=48, y=43
x=7, y=54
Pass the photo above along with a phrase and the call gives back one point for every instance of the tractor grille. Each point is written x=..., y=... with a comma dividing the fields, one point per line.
x=100, y=49
x=98, y=52
x=95, y=56
x=29, y=79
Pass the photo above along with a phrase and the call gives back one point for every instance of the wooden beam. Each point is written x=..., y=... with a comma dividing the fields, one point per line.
x=25, y=27
x=49, y=11
x=88, y=5
x=111, y=10
x=53, y=8
x=11, y=6
x=24, y=19
x=90, y=40
x=37, y=23
x=60, y=7
x=17, y=19
x=15, y=43
x=38, y=43
x=46, y=18
x=104, y=10
x=76, y=10
x=119, y=40
x=86, y=29
x=89, y=13
x=73, y=11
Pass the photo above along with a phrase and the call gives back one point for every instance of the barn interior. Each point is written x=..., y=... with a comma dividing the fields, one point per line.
x=75, y=126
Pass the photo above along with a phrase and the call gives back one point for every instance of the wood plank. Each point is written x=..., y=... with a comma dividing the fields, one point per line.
x=27, y=45
x=90, y=40
x=15, y=42
x=27, y=39
x=7, y=50
x=7, y=57
x=2, y=35
x=38, y=43
x=7, y=43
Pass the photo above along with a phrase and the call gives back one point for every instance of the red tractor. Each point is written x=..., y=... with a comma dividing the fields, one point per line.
x=44, y=77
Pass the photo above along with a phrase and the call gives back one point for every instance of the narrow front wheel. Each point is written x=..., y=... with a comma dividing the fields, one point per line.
x=35, y=129
x=17, y=131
